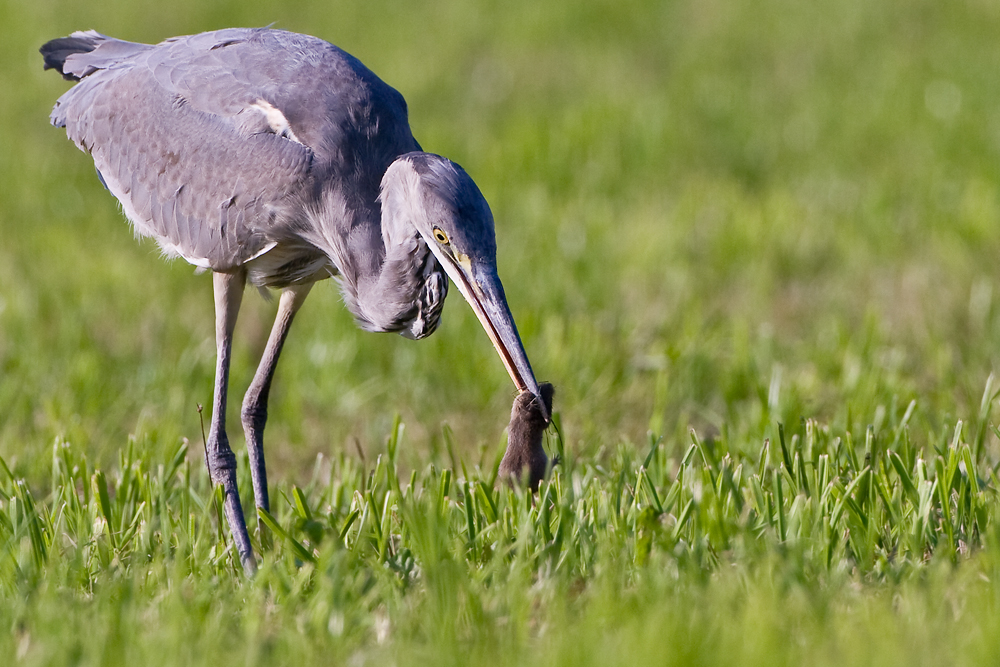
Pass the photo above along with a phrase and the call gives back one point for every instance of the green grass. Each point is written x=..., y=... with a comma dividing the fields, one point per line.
x=715, y=215
x=814, y=552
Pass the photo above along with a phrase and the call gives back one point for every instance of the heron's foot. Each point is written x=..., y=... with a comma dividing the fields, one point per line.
x=233, y=510
x=222, y=470
x=254, y=418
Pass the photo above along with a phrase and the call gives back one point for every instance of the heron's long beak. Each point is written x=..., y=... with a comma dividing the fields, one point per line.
x=481, y=287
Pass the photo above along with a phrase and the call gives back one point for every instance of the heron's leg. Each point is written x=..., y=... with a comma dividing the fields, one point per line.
x=219, y=455
x=255, y=402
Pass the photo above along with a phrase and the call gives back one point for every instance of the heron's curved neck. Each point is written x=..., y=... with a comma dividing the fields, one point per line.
x=389, y=279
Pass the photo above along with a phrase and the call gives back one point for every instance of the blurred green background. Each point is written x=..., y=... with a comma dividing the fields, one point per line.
x=710, y=213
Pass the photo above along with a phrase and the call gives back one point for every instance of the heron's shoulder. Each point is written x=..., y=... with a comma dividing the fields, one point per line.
x=277, y=55
x=303, y=76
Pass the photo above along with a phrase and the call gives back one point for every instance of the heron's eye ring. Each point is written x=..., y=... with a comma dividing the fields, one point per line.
x=440, y=236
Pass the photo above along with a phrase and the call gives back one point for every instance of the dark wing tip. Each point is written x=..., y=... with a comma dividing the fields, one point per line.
x=56, y=51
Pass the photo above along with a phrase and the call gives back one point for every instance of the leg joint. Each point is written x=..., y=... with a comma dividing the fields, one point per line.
x=254, y=413
x=220, y=462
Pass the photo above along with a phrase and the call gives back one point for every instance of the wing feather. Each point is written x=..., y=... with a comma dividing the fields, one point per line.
x=190, y=177
x=219, y=145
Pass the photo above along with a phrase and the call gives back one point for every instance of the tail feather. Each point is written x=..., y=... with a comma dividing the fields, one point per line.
x=57, y=51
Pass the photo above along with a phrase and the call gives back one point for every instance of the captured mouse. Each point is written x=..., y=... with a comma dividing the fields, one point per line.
x=525, y=456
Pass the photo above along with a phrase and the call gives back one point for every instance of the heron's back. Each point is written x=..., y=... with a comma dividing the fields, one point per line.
x=223, y=145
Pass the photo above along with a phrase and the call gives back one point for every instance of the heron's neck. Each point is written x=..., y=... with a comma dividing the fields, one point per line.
x=389, y=279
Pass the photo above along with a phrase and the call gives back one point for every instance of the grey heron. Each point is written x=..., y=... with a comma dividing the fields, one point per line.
x=277, y=159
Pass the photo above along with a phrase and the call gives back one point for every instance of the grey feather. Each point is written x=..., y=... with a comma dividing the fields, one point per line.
x=280, y=159
x=265, y=149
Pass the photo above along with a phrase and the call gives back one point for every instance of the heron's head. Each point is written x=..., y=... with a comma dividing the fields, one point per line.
x=436, y=196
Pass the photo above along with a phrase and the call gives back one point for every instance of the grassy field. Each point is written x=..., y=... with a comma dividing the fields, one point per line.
x=713, y=218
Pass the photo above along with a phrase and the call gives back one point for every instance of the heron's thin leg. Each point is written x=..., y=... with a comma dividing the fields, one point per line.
x=220, y=457
x=255, y=402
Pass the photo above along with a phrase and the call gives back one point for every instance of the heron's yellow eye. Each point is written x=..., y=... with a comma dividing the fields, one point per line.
x=440, y=236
